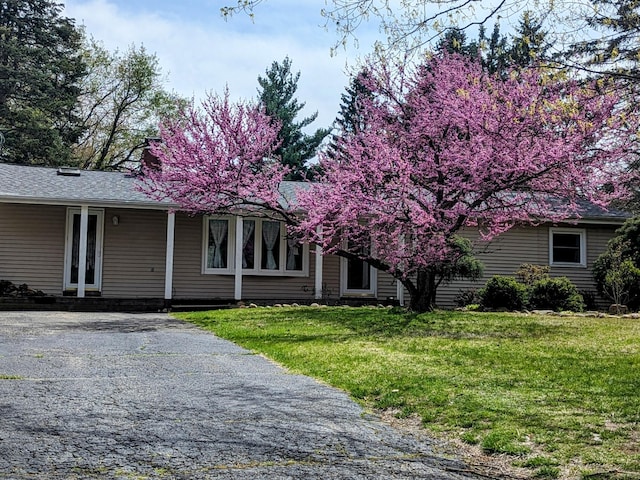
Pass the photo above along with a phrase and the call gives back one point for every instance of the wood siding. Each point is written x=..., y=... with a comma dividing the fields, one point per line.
x=188, y=279
x=505, y=254
x=134, y=253
x=32, y=246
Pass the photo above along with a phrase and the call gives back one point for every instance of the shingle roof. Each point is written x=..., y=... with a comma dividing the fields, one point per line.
x=19, y=183
x=44, y=185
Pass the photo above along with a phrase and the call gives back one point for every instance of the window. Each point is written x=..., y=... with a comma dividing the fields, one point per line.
x=357, y=276
x=218, y=244
x=567, y=247
x=266, y=248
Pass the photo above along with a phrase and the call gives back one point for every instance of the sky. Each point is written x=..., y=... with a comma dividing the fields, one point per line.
x=200, y=52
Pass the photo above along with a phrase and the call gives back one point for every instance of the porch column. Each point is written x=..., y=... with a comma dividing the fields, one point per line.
x=400, y=292
x=168, y=267
x=238, y=259
x=82, y=253
x=319, y=262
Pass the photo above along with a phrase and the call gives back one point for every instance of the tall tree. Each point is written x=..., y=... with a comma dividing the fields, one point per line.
x=615, y=51
x=277, y=95
x=40, y=68
x=122, y=101
x=446, y=146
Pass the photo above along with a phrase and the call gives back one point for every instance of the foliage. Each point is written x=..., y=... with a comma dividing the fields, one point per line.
x=527, y=46
x=446, y=146
x=503, y=293
x=408, y=25
x=276, y=95
x=556, y=294
x=529, y=274
x=467, y=297
x=614, y=49
x=549, y=384
x=617, y=270
x=450, y=145
x=217, y=158
x=121, y=102
x=40, y=67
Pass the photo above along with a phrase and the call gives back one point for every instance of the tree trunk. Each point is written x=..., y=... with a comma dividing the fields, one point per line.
x=423, y=292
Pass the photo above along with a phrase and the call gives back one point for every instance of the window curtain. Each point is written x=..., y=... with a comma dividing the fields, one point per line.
x=270, y=234
x=217, y=236
x=292, y=251
x=248, y=226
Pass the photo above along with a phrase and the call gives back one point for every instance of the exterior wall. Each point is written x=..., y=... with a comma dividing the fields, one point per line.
x=188, y=280
x=134, y=253
x=505, y=254
x=32, y=246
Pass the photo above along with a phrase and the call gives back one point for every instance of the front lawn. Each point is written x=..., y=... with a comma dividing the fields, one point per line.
x=559, y=396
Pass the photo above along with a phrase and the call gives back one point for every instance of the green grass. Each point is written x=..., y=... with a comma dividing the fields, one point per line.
x=559, y=395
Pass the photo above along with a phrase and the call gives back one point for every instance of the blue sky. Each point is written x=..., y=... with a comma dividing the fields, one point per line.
x=199, y=51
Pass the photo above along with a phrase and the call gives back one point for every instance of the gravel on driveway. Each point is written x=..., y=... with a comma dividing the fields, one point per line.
x=136, y=396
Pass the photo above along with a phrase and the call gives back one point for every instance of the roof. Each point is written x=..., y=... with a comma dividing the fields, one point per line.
x=26, y=184
x=45, y=185
x=68, y=186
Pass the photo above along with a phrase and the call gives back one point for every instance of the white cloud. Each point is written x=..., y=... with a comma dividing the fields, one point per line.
x=203, y=53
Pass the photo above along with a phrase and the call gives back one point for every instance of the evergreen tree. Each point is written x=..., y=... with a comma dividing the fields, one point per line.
x=277, y=95
x=40, y=67
x=530, y=43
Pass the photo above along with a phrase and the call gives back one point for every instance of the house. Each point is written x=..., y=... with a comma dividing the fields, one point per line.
x=91, y=235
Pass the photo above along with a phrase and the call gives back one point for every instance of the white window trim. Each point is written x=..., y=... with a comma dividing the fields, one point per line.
x=97, y=285
x=347, y=292
x=231, y=238
x=583, y=246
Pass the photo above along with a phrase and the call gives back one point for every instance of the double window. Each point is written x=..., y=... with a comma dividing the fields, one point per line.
x=265, y=248
x=567, y=247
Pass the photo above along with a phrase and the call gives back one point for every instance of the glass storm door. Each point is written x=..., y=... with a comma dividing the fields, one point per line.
x=93, y=264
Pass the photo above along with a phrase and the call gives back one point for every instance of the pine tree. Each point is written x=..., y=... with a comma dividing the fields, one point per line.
x=277, y=95
x=40, y=67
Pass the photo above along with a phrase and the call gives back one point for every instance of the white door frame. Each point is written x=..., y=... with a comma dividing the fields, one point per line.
x=68, y=254
x=372, y=291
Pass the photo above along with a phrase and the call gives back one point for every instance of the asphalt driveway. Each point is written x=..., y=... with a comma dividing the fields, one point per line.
x=95, y=395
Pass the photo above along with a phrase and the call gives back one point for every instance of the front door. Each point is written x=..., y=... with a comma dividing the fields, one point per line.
x=93, y=265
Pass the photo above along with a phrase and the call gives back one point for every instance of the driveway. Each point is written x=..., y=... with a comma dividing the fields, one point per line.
x=124, y=396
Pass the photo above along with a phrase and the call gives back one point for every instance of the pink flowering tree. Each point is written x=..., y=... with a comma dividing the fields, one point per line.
x=218, y=158
x=449, y=146
x=441, y=148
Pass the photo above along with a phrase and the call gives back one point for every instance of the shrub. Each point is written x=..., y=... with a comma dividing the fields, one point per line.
x=529, y=273
x=617, y=270
x=467, y=297
x=503, y=292
x=556, y=294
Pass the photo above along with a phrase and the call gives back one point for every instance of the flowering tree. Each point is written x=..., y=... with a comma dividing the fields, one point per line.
x=217, y=159
x=450, y=146
x=441, y=148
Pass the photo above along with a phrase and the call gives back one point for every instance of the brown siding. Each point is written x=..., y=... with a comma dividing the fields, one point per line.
x=505, y=254
x=134, y=253
x=32, y=246
x=188, y=280
x=331, y=278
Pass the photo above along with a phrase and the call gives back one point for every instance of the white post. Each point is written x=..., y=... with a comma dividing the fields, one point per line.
x=82, y=253
x=400, y=292
x=238, y=259
x=319, y=261
x=168, y=267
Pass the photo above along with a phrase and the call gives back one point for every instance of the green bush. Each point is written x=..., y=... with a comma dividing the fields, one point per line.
x=503, y=292
x=617, y=270
x=556, y=294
